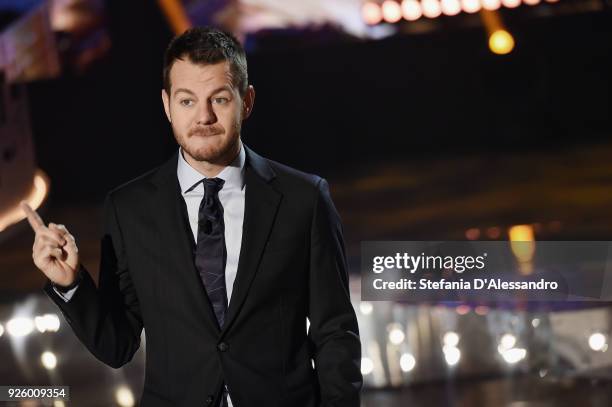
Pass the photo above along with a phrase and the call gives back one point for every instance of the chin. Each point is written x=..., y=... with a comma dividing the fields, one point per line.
x=210, y=153
x=203, y=153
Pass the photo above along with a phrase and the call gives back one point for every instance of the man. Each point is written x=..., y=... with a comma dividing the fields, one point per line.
x=220, y=254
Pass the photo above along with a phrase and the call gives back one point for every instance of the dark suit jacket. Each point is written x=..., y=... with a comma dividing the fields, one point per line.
x=292, y=265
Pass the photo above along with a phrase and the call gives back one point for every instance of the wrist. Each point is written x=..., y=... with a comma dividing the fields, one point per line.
x=66, y=288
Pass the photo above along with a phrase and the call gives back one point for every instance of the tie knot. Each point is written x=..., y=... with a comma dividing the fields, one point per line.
x=212, y=186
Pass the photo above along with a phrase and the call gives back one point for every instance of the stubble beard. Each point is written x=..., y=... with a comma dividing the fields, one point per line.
x=213, y=153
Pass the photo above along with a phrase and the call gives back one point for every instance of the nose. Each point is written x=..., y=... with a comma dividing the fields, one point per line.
x=206, y=114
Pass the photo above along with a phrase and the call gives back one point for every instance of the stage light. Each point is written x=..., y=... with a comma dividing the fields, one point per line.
x=20, y=326
x=366, y=307
x=391, y=11
x=493, y=232
x=523, y=246
x=396, y=334
x=407, y=362
x=511, y=3
x=35, y=198
x=531, y=2
x=521, y=233
x=470, y=6
x=451, y=339
x=452, y=355
x=52, y=322
x=431, y=8
x=462, y=309
x=411, y=10
x=472, y=234
x=514, y=355
x=501, y=42
x=39, y=324
x=49, y=360
x=450, y=8
x=124, y=397
x=535, y=322
x=598, y=342
x=507, y=341
x=371, y=13
x=367, y=366
x=481, y=310
x=491, y=4
x=47, y=322
x=1, y=330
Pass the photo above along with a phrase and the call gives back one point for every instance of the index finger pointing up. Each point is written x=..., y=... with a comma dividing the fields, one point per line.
x=33, y=217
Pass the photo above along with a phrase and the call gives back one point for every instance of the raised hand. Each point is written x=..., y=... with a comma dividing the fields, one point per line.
x=55, y=251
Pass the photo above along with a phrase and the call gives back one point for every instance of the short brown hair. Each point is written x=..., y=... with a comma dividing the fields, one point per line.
x=207, y=45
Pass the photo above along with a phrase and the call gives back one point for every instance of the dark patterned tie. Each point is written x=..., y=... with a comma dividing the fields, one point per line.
x=210, y=255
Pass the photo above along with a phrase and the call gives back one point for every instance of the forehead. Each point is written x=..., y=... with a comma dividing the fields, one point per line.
x=186, y=74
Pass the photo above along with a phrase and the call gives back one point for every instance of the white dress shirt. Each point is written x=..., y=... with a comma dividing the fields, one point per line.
x=232, y=199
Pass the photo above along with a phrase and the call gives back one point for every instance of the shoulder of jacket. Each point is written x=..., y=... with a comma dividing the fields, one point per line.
x=134, y=187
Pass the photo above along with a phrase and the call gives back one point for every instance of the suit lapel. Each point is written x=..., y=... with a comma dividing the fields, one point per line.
x=176, y=239
x=260, y=208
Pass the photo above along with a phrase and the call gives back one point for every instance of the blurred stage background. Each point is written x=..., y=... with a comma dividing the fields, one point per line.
x=450, y=119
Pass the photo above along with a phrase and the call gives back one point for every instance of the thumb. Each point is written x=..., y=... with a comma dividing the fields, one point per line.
x=70, y=247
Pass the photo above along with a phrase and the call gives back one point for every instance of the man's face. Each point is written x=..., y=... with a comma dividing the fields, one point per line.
x=206, y=110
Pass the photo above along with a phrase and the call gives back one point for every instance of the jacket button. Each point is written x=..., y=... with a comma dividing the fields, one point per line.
x=209, y=400
x=223, y=346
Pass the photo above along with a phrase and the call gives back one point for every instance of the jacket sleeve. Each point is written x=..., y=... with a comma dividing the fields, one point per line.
x=106, y=319
x=333, y=332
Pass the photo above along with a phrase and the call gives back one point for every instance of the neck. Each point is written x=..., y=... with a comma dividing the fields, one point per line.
x=212, y=169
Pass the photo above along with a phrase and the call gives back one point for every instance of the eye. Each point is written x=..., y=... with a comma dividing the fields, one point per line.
x=220, y=101
x=186, y=102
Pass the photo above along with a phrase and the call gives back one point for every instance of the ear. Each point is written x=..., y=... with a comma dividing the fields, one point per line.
x=166, y=101
x=247, y=102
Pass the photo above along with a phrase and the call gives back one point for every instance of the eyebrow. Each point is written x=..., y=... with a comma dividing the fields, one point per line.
x=183, y=90
x=219, y=89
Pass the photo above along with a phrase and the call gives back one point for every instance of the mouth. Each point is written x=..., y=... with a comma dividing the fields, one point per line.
x=204, y=134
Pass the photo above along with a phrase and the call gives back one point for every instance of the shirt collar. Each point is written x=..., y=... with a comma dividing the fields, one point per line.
x=233, y=174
